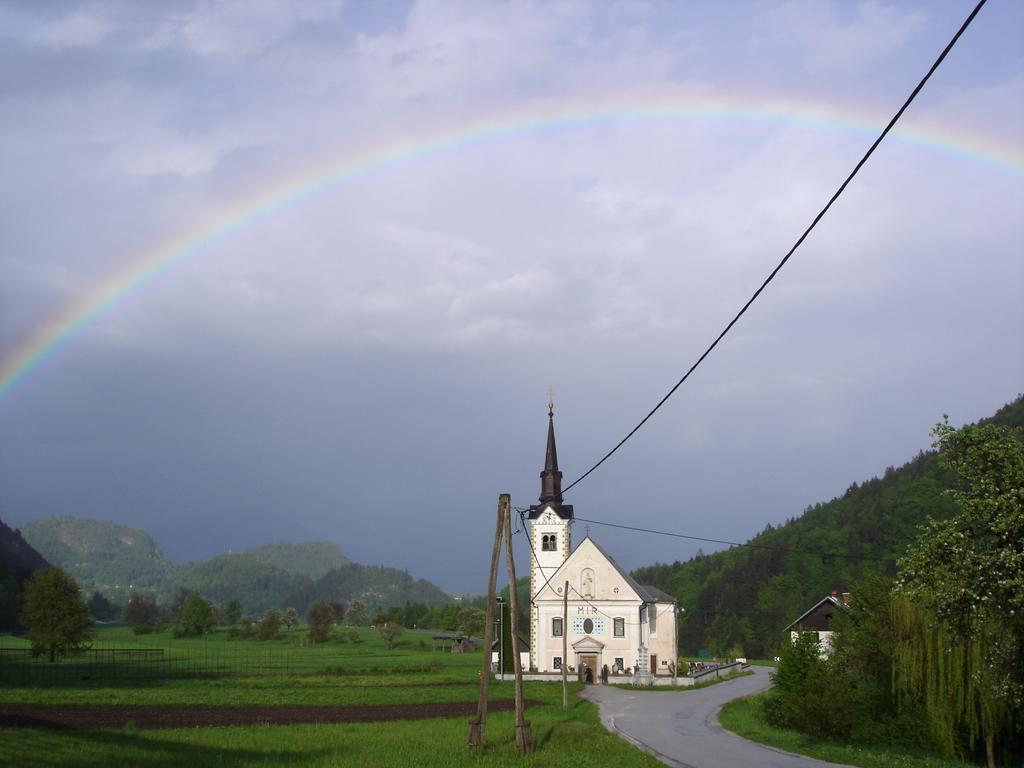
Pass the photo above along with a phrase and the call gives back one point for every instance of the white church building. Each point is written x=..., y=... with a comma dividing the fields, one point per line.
x=612, y=620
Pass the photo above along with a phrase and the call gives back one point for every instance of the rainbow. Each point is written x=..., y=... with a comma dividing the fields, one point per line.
x=138, y=272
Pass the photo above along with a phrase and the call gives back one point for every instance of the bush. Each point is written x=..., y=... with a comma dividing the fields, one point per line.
x=270, y=625
x=810, y=695
x=320, y=619
x=195, y=617
x=141, y=614
x=389, y=632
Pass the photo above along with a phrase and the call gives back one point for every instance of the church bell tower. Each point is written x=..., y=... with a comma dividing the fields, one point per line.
x=550, y=522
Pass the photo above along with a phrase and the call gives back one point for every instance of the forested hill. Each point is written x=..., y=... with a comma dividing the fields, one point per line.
x=116, y=559
x=312, y=558
x=377, y=587
x=738, y=601
x=262, y=577
x=101, y=555
x=18, y=561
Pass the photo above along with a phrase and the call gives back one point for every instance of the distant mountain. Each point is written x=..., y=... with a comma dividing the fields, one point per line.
x=739, y=600
x=18, y=561
x=103, y=556
x=312, y=559
x=375, y=586
x=110, y=557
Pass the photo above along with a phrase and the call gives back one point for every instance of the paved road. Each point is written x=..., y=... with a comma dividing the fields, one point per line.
x=681, y=728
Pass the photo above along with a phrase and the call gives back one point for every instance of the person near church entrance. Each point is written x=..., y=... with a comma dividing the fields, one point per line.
x=588, y=675
x=604, y=674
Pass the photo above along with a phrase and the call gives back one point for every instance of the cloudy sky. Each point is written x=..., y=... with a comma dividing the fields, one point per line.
x=389, y=227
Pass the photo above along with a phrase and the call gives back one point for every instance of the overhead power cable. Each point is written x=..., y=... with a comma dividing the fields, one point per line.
x=793, y=550
x=800, y=240
x=572, y=588
x=586, y=600
x=533, y=551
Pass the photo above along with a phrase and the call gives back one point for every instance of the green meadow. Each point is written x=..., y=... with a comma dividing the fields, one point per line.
x=215, y=672
x=743, y=717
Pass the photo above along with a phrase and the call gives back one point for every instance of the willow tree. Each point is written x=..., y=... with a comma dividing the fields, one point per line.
x=959, y=612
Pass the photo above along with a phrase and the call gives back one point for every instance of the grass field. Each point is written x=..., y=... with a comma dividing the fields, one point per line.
x=742, y=716
x=294, y=673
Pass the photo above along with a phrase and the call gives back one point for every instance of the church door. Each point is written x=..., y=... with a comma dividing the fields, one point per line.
x=654, y=663
x=588, y=661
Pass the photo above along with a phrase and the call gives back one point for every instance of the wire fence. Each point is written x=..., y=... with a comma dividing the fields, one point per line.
x=19, y=667
x=102, y=664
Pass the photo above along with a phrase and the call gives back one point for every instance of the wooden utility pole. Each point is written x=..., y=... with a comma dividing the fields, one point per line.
x=565, y=645
x=476, y=727
x=524, y=738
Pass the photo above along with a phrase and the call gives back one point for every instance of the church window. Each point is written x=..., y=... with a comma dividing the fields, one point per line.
x=620, y=663
x=620, y=627
x=654, y=619
x=558, y=662
x=579, y=625
x=556, y=626
x=549, y=542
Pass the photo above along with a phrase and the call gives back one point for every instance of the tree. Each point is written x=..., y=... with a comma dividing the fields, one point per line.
x=291, y=618
x=196, y=615
x=357, y=614
x=320, y=620
x=450, y=620
x=56, y=615
x=808, y=695
x=961, y=643
x=864, y=643
x=100, y=608
x=413, y=614
x=389, y=631
x=471, y=621
x=176, y=605
x=141, y=613
x=339, y=609
x=233, y=611
x=270, y=625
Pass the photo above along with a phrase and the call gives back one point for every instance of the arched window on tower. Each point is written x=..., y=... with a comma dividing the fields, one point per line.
x=548, y=542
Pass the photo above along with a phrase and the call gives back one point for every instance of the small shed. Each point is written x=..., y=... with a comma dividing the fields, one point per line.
x=453, y=643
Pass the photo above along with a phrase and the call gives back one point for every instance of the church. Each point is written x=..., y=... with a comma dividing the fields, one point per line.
x=612, y=621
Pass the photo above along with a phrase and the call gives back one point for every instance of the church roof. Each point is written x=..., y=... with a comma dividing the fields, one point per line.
x=655, y=595
x=647, y=594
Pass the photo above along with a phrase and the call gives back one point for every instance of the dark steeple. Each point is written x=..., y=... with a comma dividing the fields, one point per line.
x=551, y=477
